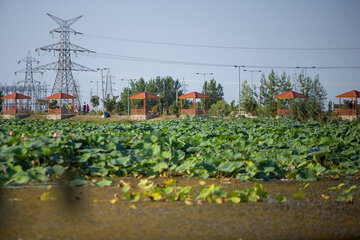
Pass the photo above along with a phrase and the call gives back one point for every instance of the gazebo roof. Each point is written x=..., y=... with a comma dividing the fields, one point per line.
x=290, y=95
x=60, y=95
x=193, y=95
x=351, y=94
x=144, y=95
x=16, y=96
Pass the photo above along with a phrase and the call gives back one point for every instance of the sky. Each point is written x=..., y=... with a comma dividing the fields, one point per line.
x=257, y=34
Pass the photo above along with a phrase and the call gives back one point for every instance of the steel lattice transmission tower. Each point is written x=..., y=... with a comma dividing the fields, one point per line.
x=64, y=81
x=108, y=84
x=31, y=86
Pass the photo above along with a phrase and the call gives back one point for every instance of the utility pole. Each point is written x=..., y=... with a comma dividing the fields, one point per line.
x=64, y=81
x=128, y=80
x=239, y=67
x=30, y=85
x=252, y=77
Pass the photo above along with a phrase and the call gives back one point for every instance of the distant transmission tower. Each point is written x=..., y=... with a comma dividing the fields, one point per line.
x=31, y=86
x=108, y=84
x=64, y=81
x=184, y=86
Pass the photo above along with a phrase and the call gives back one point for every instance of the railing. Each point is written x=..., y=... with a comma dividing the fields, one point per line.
x=138, y=112
x=347, y=112
x=9, y=111
x=15, y=111
x=60, y=111
x=283, y=112
x=187, y=111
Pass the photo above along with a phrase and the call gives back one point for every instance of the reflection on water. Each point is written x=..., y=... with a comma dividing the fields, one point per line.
x=74, y=215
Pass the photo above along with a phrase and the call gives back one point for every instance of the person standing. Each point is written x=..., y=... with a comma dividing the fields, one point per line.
x=84, y=108
x=87, y=108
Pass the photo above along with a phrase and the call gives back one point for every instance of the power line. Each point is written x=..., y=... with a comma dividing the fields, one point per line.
x=223, y=47
x=153, y=60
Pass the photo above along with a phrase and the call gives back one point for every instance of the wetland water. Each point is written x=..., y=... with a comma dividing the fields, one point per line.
x=25, y=216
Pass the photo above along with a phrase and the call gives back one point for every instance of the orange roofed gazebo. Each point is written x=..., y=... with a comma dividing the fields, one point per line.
x=140, y=114
x=193, y=96
x=290, y=95
x=352, y=108
x=15, y=105
x=64, y=109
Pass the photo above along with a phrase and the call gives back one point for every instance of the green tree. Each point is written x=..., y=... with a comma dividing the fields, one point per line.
x=95, y=101
x=110, y=103
x=215, y=91
x=165, y=87
x=270, y=87
x=1, y=101
x=312, y=88
x=221, y=108
x=248, y=101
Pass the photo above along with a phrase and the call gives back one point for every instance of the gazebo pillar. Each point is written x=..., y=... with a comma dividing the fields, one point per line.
x=355, y=106
x=15, y=106
x=180, y=106
x=131, y=106
x=277, y=106
x=207, y=106
x=289, y=104
x=339, y=106
x=145, y=106
x=60, y=107
x=194, y=106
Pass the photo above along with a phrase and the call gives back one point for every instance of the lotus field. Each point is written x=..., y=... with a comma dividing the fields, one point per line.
x=38, y=150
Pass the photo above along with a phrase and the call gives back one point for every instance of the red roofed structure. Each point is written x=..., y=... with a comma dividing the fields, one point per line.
x=291, y=95
x=16, y=105
x=351, y=109
x=193, y=96
x=64, y=109
x=60, y=95
x=140, y=114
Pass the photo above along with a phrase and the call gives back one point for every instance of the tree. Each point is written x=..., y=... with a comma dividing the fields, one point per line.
x=221, y=108
x=1, y=101
x=248, y=102
x=312, y=88
x=95, y=101
x=110, y=103
x=270, y=87
x=166, y=87
x=216, y=92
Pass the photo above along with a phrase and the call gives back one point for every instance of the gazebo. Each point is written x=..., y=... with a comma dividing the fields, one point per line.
x=290, y=95
x=64, y=110
x=142, y=113
x=192, y=111
x=351, y=112
x=15, y=105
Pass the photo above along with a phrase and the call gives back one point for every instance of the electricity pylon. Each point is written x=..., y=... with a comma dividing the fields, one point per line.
x=108, y=84
x=64, y=81
x=31, y=86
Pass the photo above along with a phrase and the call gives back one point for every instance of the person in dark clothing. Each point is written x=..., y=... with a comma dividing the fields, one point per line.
x=84, y=108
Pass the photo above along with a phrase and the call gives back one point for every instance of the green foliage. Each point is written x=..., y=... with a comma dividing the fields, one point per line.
x=243, y=149
x=215, y=91
x=95, y=101
x=248, y=95
x=312, y=88
x=53, y=104
x=110, y=104
x=270, y=87
x=221, y=108
x=175, y=109
x=1, y=101
x=165, y=87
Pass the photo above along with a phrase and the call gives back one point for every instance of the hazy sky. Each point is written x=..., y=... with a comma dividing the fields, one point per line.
x=25, y=26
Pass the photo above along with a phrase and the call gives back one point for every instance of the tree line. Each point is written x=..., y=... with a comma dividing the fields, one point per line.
x=260, y=102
